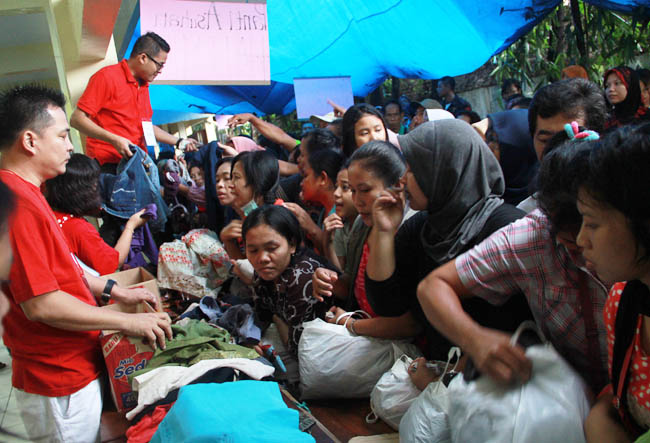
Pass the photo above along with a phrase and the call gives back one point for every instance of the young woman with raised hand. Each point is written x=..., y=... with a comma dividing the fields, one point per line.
x=374, y=168
x=457, y=184
x=254, y=179
x=614, y=201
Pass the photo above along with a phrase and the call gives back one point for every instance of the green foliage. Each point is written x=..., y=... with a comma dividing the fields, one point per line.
x=289, y=123
x=610, y=39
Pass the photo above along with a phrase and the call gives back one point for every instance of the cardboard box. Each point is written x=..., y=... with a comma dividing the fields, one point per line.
x=123, y=354
x=135, y=278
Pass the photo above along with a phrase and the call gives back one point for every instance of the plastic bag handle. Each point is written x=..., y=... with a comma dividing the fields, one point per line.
x=362, y=313
x=346, y=315
x=372, y=418
x=404, y=358
x=349, y=315
x=528, y=325
x=455, y=351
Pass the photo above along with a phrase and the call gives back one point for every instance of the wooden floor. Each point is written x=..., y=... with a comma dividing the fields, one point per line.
x=347, y=418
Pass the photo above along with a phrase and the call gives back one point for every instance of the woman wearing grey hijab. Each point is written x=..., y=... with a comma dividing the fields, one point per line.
x=456, y=182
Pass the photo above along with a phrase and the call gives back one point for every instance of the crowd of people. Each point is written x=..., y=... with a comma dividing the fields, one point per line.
x=445, y=229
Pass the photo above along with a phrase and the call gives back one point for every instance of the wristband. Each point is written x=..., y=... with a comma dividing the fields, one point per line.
x=346, y=315
x=352, y=322
x=178, y=143
x=106, y=292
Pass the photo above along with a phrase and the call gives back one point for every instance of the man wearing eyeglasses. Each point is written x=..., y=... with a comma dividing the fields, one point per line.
x=114, y=110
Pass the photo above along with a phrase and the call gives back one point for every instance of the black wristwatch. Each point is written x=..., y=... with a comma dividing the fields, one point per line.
x=178, y=142
x=106, y=293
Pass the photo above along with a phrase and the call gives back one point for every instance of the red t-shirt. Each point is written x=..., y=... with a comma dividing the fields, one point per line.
x=360, y=283
x=115, y=101
x=84, y=242
x=45, y=360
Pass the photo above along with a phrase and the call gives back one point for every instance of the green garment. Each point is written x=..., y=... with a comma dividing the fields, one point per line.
x=645, y=438
x=196, y=341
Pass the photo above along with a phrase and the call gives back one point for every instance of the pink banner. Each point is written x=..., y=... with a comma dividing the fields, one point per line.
x=212, y=43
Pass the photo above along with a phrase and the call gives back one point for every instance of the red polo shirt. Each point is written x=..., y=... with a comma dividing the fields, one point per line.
x=45, y=360
x=115, y=101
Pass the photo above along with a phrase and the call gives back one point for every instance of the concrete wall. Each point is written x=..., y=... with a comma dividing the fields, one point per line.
x=55, y=61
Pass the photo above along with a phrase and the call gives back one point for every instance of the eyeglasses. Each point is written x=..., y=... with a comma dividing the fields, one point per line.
x=157, y=63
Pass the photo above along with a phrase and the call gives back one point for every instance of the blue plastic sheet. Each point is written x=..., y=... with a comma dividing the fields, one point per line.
x=640, y=8
x=368, y=41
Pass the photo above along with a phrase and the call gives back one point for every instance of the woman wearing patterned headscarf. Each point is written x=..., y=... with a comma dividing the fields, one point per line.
x=623, y=95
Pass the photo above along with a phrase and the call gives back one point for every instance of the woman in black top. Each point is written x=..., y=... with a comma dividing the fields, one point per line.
x=457, y=184
x=283, y=271
x=623, y=93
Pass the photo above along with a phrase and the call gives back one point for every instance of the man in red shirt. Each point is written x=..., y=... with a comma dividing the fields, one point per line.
x=115, y=110
x=54, y=319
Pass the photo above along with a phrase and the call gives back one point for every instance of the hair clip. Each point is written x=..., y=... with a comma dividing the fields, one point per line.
x=573, y=131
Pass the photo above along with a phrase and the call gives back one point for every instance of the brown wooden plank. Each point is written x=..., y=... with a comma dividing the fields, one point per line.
x=347, y=418
x=113, y=427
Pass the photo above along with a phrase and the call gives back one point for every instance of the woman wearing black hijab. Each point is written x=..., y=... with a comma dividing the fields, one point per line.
x=623, y=94
x=457, y=184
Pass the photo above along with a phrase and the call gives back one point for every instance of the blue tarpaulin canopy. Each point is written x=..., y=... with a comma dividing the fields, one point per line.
x=368, y=41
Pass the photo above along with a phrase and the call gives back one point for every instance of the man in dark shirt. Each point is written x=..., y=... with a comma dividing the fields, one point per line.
x=449, y=100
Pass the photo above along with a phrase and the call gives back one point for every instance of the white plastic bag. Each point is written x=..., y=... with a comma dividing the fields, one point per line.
x=335, y=364
x=393, y=394
x=426, y=419
x=550, y=407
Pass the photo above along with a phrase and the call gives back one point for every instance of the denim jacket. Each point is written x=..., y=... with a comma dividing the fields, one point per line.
x=135, y=186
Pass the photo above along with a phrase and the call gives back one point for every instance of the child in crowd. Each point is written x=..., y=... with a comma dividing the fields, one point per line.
x=311, y=211
x=318, y=187
x=339, y=224
x=74, y=195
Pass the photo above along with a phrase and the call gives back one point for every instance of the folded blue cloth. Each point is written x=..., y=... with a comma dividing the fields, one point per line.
x=241, y=411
